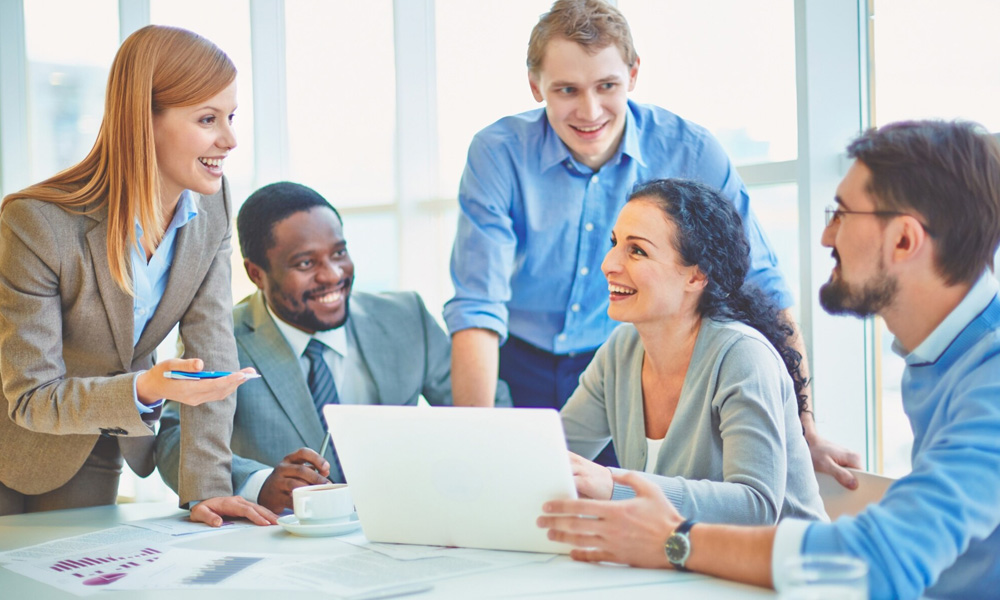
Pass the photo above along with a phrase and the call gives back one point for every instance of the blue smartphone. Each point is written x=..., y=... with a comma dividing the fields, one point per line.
x=196, y=375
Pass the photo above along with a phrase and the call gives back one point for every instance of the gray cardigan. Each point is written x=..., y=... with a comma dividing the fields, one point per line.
x=734, y=452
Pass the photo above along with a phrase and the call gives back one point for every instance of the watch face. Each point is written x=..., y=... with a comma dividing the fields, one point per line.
x=677, y=548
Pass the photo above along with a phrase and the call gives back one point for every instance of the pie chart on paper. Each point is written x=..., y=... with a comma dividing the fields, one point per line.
x=104, y=579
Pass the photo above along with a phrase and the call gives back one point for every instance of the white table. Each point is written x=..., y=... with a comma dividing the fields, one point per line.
x=559, y=578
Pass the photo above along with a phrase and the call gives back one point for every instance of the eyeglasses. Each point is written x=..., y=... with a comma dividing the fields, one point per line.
x=834, y=214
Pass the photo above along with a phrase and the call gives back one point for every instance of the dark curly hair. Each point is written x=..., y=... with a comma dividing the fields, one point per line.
x=710, y=235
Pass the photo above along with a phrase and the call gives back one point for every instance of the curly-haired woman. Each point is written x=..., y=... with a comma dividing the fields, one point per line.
x=701, y=390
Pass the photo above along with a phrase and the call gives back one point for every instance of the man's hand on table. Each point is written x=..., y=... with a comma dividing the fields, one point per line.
x=300, y=468
x=630, y=532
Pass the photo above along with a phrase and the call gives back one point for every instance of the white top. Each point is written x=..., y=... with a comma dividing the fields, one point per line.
x=652, y=454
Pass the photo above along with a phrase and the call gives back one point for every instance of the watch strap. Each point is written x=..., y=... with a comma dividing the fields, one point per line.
x=682, y=530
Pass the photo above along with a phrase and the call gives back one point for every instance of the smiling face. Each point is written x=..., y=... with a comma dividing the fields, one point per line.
x=192, y=142
x=586, y=97
x=647, y=279
x=309, y=274
x=860, y=284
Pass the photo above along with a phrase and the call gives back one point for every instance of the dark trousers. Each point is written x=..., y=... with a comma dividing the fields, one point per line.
x=95, y=484
x=540, y=379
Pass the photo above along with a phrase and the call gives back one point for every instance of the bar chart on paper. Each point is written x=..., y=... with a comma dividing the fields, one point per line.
x=85, y=573
x=104, y=569
x=220, y=569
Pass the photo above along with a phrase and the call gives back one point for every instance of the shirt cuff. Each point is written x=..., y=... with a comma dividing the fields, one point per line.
x=144, y=409
x=253, y=484
x=788, y=540
x=458, y=317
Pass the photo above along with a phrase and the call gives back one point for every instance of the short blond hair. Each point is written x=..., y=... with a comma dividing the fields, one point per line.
x=594, y=24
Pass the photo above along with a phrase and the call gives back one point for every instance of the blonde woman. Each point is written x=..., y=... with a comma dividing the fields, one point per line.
x=97, y=264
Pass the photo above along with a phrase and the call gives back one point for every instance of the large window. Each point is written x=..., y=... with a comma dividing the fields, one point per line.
x=67, y=72
x=936, y=60
x=340, y=74
x=728, y=65
x=481, y=72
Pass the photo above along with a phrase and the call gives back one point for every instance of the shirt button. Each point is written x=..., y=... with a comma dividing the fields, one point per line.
x=561, y=337
x=575, y=308
x=584, y=271
x=589, y=226
x=595, y=179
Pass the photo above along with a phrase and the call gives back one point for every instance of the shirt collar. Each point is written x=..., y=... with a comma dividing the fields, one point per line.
x=186, y=210
x=554, y=151
x=335, y=339
x=630, y=141
x=975, y=301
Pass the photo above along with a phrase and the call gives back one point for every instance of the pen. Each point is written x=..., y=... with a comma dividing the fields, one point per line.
x=322, y=451
x=325, y=445
x=198, y=375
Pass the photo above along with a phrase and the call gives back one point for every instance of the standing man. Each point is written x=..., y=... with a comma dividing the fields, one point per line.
x=914, y=232
x=314, y=341
x=540, y=193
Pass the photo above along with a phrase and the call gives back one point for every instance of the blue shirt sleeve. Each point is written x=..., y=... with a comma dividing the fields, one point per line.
x=144, y=409
x=929, y=518
x=482, y=259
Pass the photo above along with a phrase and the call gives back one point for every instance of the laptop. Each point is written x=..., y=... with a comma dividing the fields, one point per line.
x=453, y=476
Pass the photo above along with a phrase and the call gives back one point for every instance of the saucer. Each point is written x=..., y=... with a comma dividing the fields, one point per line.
x=294, y=527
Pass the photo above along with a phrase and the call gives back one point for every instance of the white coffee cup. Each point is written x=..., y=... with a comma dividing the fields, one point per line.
x=324, y=503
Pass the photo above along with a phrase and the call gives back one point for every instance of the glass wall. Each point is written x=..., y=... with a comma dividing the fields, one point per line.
x=341, y=94
x=67, y=72
x=728, y=65
x=481, y=73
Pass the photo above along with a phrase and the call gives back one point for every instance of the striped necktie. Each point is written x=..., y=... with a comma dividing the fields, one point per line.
x=320, y=379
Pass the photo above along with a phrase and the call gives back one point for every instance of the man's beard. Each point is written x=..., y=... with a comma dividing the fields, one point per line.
x=308, y=319
x=838, y=298
x=297, y=313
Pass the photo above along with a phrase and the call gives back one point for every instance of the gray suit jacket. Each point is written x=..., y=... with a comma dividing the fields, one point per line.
x=403, y=347
x=67, y=363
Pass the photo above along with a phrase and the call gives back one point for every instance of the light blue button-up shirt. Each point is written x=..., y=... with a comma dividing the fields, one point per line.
x=149, y=280
x=535, y=224
x=938, y=527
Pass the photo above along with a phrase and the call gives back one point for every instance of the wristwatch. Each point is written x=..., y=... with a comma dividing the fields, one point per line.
x=678, y=545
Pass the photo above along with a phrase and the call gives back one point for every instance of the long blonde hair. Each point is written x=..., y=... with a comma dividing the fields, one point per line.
x=156, y=68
